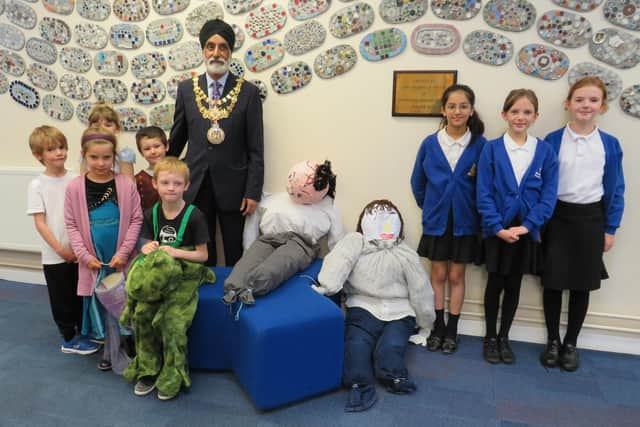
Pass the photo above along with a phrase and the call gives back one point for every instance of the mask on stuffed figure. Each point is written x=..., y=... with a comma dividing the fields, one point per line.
x=303, y=186
x=381, y=220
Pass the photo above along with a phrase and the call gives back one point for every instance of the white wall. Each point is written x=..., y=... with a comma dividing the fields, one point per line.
x=348, y=120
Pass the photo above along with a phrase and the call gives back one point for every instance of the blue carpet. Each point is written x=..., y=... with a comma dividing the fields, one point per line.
x=40, y=386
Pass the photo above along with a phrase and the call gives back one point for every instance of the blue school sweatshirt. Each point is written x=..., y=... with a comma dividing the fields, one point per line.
x=501, y=200
x=437, y=189
x=612, y=181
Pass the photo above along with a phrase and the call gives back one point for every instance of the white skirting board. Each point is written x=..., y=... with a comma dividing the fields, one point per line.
x=35, y=277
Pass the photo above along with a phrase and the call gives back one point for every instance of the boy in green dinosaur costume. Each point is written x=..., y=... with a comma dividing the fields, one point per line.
x=162, y=284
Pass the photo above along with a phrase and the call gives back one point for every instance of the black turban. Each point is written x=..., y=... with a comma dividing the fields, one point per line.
x=219, y=27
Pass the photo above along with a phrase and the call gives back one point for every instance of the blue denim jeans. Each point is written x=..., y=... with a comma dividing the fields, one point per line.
x=373, y=345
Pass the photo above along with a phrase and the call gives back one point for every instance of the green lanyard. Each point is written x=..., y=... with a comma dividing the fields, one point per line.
x=183, y=225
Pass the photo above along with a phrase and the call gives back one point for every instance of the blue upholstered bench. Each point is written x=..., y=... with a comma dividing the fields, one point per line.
x=287, y=347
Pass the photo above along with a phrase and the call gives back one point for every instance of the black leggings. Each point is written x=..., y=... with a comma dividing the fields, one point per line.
x=497, y=283
x=578, y=305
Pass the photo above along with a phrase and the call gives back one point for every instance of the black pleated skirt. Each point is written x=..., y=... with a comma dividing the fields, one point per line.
x=461, y=249
x=573, y=243
x=523, y=256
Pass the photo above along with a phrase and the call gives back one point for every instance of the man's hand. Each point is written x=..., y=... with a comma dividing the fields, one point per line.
x=248, y=206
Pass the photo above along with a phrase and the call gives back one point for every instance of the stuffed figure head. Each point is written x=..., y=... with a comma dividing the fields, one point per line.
x=309, y=182
x=381, y=220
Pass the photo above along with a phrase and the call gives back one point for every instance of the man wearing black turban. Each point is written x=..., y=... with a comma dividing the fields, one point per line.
x=226, y=176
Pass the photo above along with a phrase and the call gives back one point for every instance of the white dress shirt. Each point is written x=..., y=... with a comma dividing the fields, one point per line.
x=520, y=155
x=453, y=148
x=581, y=168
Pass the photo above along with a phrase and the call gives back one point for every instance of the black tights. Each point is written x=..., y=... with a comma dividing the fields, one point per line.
x=578, y=305
x=497, y=283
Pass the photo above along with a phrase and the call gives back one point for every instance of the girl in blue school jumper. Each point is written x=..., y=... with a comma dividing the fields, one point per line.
x=516, y=191
x=444, y=186
x=586, y=217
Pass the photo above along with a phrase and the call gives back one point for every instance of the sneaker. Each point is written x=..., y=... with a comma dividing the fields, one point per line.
x=450, y=345
x=79, y=345
x=434, y=342
x=163, y=396
x=99, y=341
x=400, y=386
x=229, y=297
x=104, y=365
x=360, y=398
x=490, y=350
x=246, y=296
x=144, y=386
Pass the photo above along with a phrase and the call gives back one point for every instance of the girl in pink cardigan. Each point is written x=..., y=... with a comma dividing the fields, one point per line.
x=103, y=218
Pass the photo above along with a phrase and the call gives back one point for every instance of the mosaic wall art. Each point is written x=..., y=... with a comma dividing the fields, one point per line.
x=351, y=20
x=236, y=7
x=110, y=90
x=304, y=37
x=201, y=14
x=1, y=12
x=488, y=47
x=162, y=116
x=383, y=44
x=11, y=63
x=82, y=111
x=401, y=12
x=164, y=32
x=24, y=94
x=169, y=7
x=21, y=14
x=55, y=30
x=307, y=9
x=111, y=63
x=266, y=20
x=630, y=100
x=237, y=30
x=131, y=10
x=262, y=89
x=435, y=39
x=75, y=59
x=57, y=107
x=612, y=80
x=172, y=84
x=148, y=91
x=335, y=61
x=624, y=13
x=126, y=36
x=542, y=61
x=564, y=29
x=11, y=37
x=90, y=36
x=509, y=15
x=458, y=10
x=63, y=7
x=132, y=119
x=41, y=50
x=148, y=65
x=96, y=10
x=579, y=5
x=615, y=47
x=185, y=56
x=75, y=86
x=236, y=68
x=4, y=84
x=42, y=76
x=264, y=54
x=291, y=77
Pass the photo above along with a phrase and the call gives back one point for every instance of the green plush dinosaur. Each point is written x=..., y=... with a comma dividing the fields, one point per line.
x=162, y=297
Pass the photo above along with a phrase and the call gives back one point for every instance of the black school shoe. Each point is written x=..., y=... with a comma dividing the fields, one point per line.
x=569, y=360
x=550, y=356
x=361, y=397
x=104, y=365
x=400, y=386
x=450, y=345
x=434, y=342
x=490, y=350
x=506, y=354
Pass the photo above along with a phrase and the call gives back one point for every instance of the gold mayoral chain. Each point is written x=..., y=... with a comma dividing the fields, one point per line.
x=216, y=111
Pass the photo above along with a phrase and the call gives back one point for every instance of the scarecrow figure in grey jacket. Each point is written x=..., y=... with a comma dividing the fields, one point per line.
x=387, y=294
x=162, y=297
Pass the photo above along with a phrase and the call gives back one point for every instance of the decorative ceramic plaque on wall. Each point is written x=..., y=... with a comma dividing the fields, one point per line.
x=509, y=15
x=21, y=14
x=236, y=68
x=42, y=76
x=11, y=37
x=57, y=107
x=307, y=9
x=4, y=84
x=401, y=12
x=185, y=56
x=75, y=59
x=615, y=47
x=335, y=61
x=91, y=36
x=55, y=30
x=11, y=63
x=126, y=36
x=162, y=116
x=236, y=7
x=383, y=44
x=96, y=10
x=435, y=39
x=201, y=14
x=169, y=7
x=24, y=94
x=148, y=65
x=131, y=10
x=351, y=20
x=237, y=30
x=291, y=77
x=612, y=80
x=564, y=29
x=172, y=84
x=41, y=50
x=262, y=89
x=148, y=91
x=265, y=20
x=304, y=37
x=111, y=63
x=131, y=119
x=264, y=54
x=623, y=13
x=579, y=5
x=542, y=61
x=110, y=90
x=63, y=7
x=487, y=47
x=164, y=32
x=75, y=86
x=458, y=10
x=83, y=110
x=630, y=100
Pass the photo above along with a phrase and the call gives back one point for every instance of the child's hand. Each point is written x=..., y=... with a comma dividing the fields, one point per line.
x=508, y=235
x=170, y=250
x=519, y=230
x=609, y=240
x=94, y=264
x=149, y=247
x=116, y=263
x=67, y=255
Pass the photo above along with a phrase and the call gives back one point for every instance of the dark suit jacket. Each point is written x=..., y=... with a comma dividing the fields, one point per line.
x=235, y=167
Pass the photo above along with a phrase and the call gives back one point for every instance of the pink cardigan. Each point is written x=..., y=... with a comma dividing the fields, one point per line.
x=76, y=218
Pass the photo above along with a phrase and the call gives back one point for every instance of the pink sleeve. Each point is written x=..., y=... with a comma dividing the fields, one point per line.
x=73, y=224
x=130, y=241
